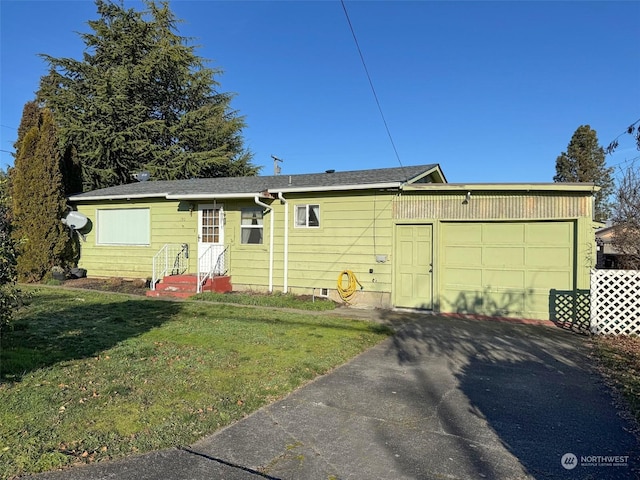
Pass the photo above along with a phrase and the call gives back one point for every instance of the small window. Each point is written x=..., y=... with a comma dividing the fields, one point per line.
x=123, y=226
x=307, y=216
x=251, y=227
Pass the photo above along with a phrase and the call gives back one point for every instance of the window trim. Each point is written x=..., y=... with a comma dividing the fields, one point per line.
x=306, y=206
x=146, y=241
x=244, y=228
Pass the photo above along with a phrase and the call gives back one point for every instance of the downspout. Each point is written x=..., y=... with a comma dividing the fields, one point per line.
x=258, y=202
x=286, y=242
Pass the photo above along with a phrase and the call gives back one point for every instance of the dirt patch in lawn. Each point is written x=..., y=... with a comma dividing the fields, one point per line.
x=119, y=285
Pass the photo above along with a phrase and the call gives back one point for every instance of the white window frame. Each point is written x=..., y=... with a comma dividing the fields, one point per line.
x=244, y=228
x=306, y=207
x=131, y=232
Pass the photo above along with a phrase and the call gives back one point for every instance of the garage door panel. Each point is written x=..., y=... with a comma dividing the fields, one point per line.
x=549, y=233
x=463, y=255
x=503, y=256
x=461, y=233
x=503, y=233
x=560, y=280
x=471, y=278
x=520, y=263
x=549, y=257
x=503, y=279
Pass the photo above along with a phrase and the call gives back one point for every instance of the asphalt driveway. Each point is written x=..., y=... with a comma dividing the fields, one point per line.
x=442, y=399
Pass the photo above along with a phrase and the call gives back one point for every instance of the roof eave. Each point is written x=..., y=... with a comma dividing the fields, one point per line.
x=168, y=196
x=96, y=198
x=505, y=187
x=435, y=169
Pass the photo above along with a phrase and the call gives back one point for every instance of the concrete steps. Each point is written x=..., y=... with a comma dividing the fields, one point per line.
x=184, y=286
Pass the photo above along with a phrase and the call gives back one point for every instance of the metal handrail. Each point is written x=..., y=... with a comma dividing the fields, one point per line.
x=217, y=268
x=172, y=256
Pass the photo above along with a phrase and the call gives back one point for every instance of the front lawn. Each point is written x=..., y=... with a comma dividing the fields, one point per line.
x=86, y=376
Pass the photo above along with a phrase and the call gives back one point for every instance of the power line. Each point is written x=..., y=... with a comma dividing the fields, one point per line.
x=7, y=126
x=625, y=161
x=386, y=126
x=629, y=131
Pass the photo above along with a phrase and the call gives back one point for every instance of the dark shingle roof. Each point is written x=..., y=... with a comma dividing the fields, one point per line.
x=249, y=186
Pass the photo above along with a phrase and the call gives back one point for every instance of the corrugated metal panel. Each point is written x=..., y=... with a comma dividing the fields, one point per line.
x=490, y=206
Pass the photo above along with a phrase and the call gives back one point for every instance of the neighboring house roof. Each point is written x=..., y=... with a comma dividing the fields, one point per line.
x=604, y=237
x=245, y=187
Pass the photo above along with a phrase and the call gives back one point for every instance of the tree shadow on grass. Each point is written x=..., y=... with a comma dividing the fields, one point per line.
x=61, y=326
x=509, y=400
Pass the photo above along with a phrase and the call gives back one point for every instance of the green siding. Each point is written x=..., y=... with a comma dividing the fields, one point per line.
x=353, y=229
x=171, y=222
x=499, y=253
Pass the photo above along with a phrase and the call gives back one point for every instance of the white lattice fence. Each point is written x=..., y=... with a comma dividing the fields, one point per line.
x=615, y=302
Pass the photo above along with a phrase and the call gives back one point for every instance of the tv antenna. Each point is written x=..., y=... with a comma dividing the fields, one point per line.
x=276, y=167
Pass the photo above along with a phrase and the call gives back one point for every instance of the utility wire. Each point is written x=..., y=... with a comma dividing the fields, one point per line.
x=355, y=39
x=629, y=131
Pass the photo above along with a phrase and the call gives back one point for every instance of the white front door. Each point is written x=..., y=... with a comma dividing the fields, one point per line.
x=211, y=238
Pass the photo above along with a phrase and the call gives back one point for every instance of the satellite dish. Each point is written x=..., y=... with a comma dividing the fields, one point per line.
x=142, y=176
x=75, y=220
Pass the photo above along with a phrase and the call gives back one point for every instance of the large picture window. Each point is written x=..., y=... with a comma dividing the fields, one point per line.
x=307, y=216
x=251, y=226
x=123, y=226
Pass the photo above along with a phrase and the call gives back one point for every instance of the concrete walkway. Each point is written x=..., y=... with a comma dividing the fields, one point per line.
x=443, y=399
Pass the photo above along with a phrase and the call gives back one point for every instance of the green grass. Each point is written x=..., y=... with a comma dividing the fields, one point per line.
x=272, y=300
x=619, y=357
x=87, y=376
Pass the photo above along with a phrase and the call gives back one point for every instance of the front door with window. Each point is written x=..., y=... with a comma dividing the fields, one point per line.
x=211, y=238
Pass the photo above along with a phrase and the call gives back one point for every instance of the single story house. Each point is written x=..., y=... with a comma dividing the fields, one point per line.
x=404, y=237
x=608, y=256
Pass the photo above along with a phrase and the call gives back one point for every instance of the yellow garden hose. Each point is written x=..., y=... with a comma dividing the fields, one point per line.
x=352, y=286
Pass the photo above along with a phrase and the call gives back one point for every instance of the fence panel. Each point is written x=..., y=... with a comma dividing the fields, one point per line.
x=615, y=302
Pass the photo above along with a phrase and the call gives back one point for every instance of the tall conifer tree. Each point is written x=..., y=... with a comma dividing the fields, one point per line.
x=8, y=273
x=37, y=195
x=141, y=99
x=584, y=161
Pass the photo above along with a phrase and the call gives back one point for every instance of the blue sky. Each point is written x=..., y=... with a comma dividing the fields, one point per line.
x=492, y=91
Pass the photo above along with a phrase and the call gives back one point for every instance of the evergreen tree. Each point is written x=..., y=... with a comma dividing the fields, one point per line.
x=141, y=99
x=9, y=295
x=69, y=164
x=584, y=161
x=38, y=200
